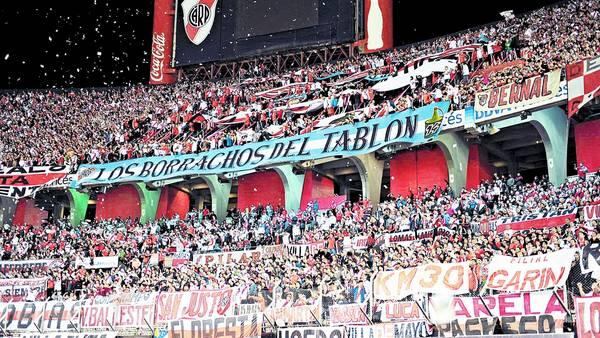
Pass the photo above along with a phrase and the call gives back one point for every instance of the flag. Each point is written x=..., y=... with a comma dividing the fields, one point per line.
x=583, y=81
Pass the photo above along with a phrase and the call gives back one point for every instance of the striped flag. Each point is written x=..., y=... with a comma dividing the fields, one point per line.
x=583, y=81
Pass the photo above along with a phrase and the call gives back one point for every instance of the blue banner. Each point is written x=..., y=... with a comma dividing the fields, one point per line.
x=414, y=126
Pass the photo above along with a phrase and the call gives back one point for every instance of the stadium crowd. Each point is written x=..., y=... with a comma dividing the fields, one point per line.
x=101, y=125
x=338, y=270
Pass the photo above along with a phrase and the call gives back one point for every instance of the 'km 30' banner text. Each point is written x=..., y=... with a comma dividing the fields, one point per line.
x=414, y=126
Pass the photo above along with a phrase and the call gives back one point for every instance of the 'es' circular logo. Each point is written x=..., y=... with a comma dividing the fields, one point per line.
x=199, y=15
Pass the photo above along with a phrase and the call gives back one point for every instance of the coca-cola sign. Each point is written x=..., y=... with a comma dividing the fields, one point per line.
x=158, y=57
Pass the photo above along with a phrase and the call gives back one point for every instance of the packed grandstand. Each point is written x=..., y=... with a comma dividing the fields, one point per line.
x=488, y=253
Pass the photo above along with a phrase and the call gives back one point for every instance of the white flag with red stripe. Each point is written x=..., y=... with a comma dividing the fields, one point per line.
x=583, y=81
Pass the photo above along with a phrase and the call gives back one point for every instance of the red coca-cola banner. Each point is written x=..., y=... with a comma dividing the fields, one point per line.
x=162, y=44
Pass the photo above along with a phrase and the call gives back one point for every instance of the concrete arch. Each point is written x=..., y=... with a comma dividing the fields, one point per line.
x=371, y=175
x=148, y=202
x=456, y=152
x=219, y=195
x=553, y=126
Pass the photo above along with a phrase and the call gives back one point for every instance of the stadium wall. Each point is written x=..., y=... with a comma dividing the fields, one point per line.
x=587, y=139
x=422, y=168
x=27, y=213
x=478, y=168
x=260, y=188
x=122, y=201
x=173, y=202
x=315, y=186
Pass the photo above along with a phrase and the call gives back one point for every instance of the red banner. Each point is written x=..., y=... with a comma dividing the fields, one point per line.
x=529, y=273
x=19, y=182
x=535, y=220
x=162, y=44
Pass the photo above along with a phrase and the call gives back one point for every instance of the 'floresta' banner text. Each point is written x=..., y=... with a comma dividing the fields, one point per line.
x=414, y=127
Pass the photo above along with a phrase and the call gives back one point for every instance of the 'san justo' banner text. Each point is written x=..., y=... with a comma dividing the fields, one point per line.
x=588, y=316
x=244, y=326
x=194, y=304
x=413, y=127
x=452, y=278
x=529, y=273
x=522, y=313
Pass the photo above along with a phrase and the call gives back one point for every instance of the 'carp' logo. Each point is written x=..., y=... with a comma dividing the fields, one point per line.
x=483, y=98
x=198, y=18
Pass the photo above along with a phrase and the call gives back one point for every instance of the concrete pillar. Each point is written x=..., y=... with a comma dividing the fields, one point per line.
x=219, y=194
x=78, y=204
x=553, y=125
x=371, y=174
x=148, y=202
x=456, y=151
x=293, y=184
x=7, y=210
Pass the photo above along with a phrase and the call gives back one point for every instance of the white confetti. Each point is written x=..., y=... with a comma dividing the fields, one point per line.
x=6, y=56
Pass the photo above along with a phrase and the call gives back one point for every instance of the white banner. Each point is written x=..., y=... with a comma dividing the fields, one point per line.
x=134, y=310
x=97, y=316
x=228, y=258
x=286, y=316
x=591, y=212
x=96, y=334
x=195, y=304
x=31, y=265
x=21, y=316
x=529, y=273
x=98, y=262
x=62, y=316
x=312, y=332
x=302, y=250
x=245, y=326
x=348, y=314
x=19, y=289
x=451, y=278
x=400, y=312
x=514, y=95
x=389, y=330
